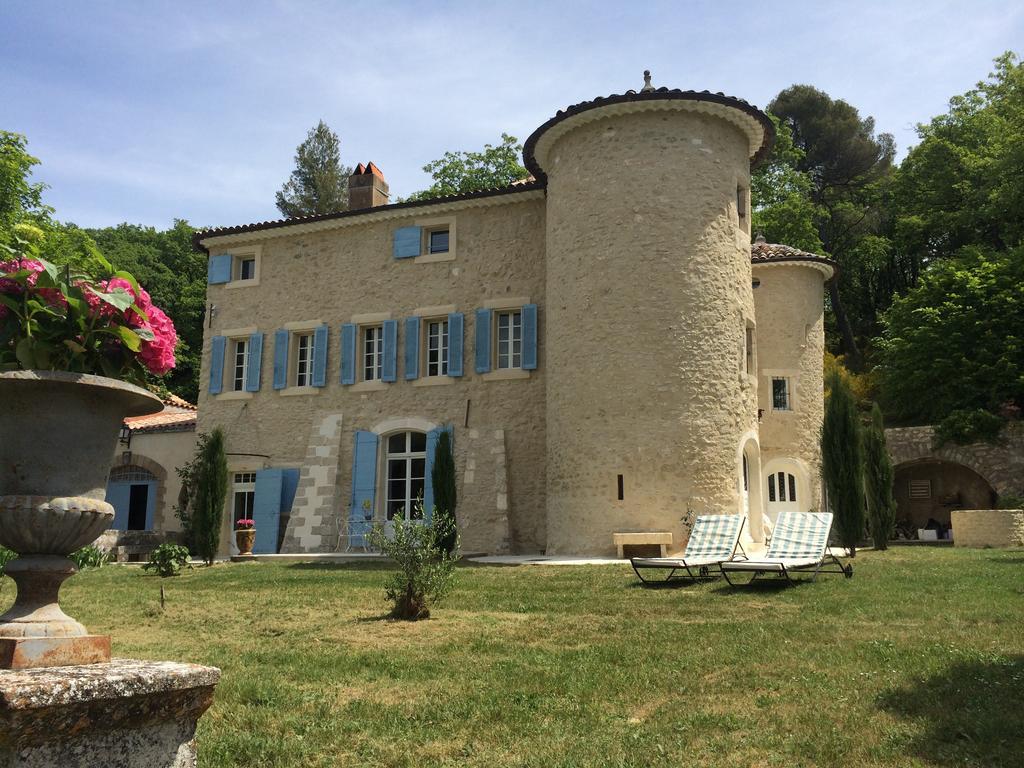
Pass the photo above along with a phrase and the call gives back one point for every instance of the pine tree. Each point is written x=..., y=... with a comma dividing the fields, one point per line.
x=319, y=183
x=878, y=480
x=211, y=491
x=843, y=462
x=442, y=475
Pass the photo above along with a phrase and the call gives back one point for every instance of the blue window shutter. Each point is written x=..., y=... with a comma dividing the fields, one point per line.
x=254, y=364
x=320, y=356
x=217, y=346
x=364, y=487
x=281, y=338
x=348, y=353
x=483, y=340
x=412, y=347
x=529, y=337
x=389, y=366
x=455, y=323
x=119, y=497
x=151, y=505
x=428, y=485
x=289, y=485
x=266, y=510
x=218, y=269
x=407, y=242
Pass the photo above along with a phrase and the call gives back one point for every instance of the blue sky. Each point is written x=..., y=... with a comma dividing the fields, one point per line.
x=147, y=111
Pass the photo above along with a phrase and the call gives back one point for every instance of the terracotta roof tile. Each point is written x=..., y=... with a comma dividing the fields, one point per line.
x=763, y=252
x=178, y=415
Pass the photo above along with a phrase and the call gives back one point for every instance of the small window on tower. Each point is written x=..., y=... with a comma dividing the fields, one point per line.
x=780, y=394
x=438, y=241
x=741, y=207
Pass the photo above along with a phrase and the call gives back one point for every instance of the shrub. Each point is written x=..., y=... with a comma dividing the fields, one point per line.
x=968, y=426
x=878, y=480
x=843, y=462
x=442, y=475
x=167, y=560
x=6, y=555
x=425, y=568
x=1006, y=501
x=89, y=556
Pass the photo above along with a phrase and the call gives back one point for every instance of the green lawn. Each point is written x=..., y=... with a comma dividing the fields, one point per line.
x=918, y=660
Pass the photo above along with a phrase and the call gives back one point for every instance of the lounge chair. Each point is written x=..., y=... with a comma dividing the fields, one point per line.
x=799, y=545
x=714, y=539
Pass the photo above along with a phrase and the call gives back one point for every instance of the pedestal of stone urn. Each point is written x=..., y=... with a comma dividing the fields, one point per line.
x=132, y=714
x=57, y=434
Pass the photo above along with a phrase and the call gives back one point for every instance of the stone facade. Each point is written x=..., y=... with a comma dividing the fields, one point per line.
x=988, y=527
x=633, y=243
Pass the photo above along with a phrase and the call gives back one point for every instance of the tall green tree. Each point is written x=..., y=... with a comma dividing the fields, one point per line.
x=843, y=462
x=319, y=183
x=847, y=165
x=457, y=173
x=167, y=266
x=956, y=341
x=878, y=481
x=206, y=496
x=442, y=476
x=20, y=198
x=961, y=185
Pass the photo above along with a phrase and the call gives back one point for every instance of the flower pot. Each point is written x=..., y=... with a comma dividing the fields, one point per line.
x=244, y=539
x=58, y=432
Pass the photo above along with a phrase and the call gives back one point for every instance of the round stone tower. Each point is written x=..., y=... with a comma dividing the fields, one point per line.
x=651, y=395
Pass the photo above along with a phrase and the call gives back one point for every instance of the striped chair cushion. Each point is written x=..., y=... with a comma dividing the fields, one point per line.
x=800, y=536
x=714, y=536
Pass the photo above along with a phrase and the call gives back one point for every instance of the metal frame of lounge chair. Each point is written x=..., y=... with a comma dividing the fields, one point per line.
x=778, y=565
x=702, y=565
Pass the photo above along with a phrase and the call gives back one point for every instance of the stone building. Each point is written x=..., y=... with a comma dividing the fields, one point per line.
x=605, y=344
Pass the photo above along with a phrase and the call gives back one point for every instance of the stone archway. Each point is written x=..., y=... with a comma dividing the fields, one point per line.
x=159, y=473
x=929, y=489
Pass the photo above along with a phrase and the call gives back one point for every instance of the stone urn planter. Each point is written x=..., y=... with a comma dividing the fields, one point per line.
x=58, y=432
x=244, y=539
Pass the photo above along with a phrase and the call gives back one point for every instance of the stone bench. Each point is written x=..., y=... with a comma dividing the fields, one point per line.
x=642, y=543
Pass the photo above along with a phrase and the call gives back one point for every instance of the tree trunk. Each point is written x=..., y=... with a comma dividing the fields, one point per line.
x=853, y=360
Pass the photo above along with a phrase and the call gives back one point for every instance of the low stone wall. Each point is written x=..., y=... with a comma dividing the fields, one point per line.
x=988, y=527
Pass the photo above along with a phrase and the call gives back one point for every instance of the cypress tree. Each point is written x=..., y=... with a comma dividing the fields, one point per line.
x=878, y=479
x=442, y=475
x=210, y=493
x=843, y=462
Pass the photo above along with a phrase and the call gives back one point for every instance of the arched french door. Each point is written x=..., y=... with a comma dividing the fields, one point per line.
x=785, y=488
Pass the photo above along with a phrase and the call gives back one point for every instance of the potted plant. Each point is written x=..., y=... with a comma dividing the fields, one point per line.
x=74, y=348
x=245, y=536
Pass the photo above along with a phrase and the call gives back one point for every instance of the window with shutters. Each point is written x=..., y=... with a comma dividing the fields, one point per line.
x=372, y=357
x=239, y=363
x=243, y=493
x=508, y=348
x=302, y=365
x=245, y=267
x=436, y=346
x=406, y=466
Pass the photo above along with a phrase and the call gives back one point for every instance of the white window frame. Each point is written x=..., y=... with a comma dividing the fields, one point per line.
x=302, y=362
x=371, y=361
x=239, y=368
x=408, y=456
x=238, y=257
x=243, y=483
x=507, y=348
x=437, y=367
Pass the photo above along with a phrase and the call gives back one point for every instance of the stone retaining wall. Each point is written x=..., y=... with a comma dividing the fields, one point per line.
x=988, y=527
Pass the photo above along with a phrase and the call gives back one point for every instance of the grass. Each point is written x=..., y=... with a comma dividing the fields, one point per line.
x=916, y=661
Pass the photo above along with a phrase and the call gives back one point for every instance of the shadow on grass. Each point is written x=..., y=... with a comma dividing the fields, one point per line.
x=1006, y=560
x=970, y=714
x=369, y=565
x=761, y=585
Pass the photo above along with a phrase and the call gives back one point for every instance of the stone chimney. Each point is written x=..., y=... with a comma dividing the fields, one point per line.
x=366, y=188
